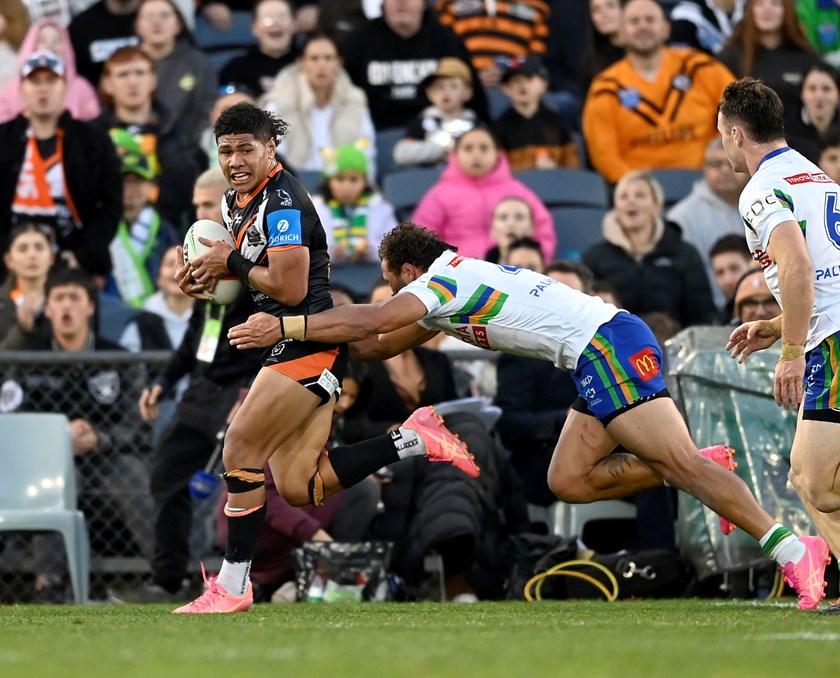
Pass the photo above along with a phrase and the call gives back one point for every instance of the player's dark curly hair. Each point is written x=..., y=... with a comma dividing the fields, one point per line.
x=757, y=107
x=409, y=243
x=245, y=118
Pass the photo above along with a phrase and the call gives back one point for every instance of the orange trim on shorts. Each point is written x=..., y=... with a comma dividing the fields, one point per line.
x=280, y=248
x=308, y=366
x=240, y=514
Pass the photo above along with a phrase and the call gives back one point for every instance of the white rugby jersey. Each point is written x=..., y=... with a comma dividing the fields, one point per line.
x=509, y=309
x=788, y=187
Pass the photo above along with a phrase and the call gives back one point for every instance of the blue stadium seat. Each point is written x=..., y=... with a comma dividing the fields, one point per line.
x=311, y=179
x=580, y=144
x=211, y=40
x=577, y=228
x=114, y=315
x=562, y=187
x=676, y=183
x=497, y=102
x=405, y=188
x=386, y=139
x=358, y=278
x=220, y=58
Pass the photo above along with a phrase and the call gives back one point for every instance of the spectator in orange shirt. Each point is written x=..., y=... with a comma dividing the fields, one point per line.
x=656, y=106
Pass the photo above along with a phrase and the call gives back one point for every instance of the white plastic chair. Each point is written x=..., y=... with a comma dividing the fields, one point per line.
x=569, y=519
x=38, y=487
x=481, y=406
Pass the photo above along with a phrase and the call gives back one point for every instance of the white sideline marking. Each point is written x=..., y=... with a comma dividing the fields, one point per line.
x=801, y=635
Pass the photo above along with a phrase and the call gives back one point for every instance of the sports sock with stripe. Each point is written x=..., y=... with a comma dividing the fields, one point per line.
x=353, y=463
x=243, y=530
x=782, y=545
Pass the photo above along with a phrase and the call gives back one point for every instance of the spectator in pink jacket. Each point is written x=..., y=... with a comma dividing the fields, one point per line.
x=49, y=35
x=459, y=207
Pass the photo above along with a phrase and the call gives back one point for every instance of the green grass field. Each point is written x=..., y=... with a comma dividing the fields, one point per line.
x=561, y=638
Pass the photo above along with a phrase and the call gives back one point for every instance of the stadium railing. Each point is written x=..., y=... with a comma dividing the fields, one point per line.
x=113, y=491
x=112, y=483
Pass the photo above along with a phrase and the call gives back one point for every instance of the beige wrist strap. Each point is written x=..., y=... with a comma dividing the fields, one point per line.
x=293, y=327
x=791, y=352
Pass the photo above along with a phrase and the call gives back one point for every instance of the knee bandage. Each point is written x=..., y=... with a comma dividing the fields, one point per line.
x=316, y=489
x=244, y=480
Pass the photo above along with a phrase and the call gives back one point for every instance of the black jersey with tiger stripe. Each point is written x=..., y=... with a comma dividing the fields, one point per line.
x=279, y=215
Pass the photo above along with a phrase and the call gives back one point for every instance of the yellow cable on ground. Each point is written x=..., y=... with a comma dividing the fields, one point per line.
x=777, y=593
x=560, y=570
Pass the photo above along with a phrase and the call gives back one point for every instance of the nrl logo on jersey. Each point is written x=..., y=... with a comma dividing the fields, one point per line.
x=254, y=236
x=285, y=198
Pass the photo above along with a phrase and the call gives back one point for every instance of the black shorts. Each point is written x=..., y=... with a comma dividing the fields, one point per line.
x=317, y=367
x=579, y=405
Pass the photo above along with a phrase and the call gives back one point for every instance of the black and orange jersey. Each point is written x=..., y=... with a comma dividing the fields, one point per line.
x=279, y=215
x=501, y=28
x=630, y=122
x=525, y=139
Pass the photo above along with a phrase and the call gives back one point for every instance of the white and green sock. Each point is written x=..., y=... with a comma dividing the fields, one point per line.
x=782, y=545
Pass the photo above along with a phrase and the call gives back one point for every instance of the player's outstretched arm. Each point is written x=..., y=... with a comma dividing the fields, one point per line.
x=382, y=346
x=345, y=323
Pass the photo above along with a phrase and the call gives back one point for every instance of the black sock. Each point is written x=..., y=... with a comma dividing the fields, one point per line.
x=243, y=531
x=354, y=463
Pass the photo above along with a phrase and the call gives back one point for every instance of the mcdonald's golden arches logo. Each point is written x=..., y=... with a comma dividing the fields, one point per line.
x=645, y=364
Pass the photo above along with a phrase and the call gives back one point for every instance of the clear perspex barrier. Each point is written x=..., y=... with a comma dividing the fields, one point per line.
x=725, y=402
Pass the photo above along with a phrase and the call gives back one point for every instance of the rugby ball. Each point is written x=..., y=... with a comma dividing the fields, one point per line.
x=228, y=288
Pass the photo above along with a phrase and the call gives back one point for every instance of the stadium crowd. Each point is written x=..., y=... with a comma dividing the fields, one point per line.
x=575, y=138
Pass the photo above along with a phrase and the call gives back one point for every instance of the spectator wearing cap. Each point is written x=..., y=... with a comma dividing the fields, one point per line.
x=51, y=35
x=273, y=25
x=496, y=31
x=753, y=299
x=353, y=213
x=646, y=111
x=139, y=123
x=59, y=171
x=389, y=57
x=532, y=135
x=430, y=137
x=323, y=108
x=142, y=235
